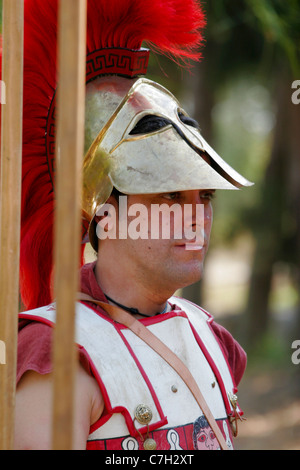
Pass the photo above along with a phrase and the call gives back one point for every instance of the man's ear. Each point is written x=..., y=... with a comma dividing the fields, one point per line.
x=98, y=218
x=105, y=219
x=111, y=201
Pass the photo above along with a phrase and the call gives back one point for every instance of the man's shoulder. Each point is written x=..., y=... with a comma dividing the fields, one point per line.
x=232, y=350
x=189, y=306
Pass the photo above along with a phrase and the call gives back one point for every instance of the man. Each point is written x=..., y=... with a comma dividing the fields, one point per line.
x=141, y=146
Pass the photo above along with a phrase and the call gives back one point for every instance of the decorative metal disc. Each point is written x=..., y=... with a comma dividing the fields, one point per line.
x=150, y=444
x=143, y=414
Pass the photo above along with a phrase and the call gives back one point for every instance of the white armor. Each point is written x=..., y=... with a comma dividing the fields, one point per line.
x=129, y=374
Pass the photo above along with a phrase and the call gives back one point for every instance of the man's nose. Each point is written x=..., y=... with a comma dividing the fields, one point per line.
x=195, y=197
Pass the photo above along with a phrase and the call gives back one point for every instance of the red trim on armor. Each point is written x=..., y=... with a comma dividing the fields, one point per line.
x=179, y=312
x=183, y=440
x=110, y=411
x=214, y=369
x=178, y=438
x=24, y=316
x=211, y=362
x=101, y=385
x=163, y=419
x=153, y=320
x=235, y=389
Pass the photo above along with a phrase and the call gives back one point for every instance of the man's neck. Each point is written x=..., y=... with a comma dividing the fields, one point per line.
x=129, y=292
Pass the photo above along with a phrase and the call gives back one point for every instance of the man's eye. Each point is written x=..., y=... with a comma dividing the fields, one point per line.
x=209, y=195
x=170, y=196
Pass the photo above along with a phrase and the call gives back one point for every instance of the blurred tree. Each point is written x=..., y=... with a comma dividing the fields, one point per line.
x=277, y=224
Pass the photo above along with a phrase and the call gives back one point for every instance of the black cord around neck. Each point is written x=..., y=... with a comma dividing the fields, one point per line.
x=132, y=310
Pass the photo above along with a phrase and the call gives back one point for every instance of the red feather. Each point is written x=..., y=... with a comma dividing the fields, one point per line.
x=172, y=27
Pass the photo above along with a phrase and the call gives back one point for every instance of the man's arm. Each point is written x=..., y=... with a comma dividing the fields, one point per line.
x=33, y=413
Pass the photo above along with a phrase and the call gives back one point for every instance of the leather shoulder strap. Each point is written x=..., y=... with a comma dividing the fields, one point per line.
x=124, y=318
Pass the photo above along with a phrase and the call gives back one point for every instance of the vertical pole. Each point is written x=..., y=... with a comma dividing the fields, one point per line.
x=69, y=155
x=10, y=208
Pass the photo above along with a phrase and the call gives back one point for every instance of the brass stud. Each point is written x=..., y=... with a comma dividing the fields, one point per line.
x=143, y=414
x=150, y=444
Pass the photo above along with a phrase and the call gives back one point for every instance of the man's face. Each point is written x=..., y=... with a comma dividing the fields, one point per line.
x=165, y=250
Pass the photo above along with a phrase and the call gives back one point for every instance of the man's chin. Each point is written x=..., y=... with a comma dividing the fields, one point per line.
x=191, y=274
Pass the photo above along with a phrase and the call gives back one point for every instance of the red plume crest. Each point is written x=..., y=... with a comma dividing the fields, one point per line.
x=172, y=27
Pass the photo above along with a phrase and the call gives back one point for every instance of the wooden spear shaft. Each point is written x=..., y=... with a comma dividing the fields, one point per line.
x=69, y=157
x=10, y=208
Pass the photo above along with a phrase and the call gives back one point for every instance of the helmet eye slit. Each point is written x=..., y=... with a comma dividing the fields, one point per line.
x=149, y=123
x=187, y=120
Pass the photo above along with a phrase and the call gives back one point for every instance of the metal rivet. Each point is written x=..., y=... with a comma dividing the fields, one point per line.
x=150, y=444
x=174, y=388
x=143, y=414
